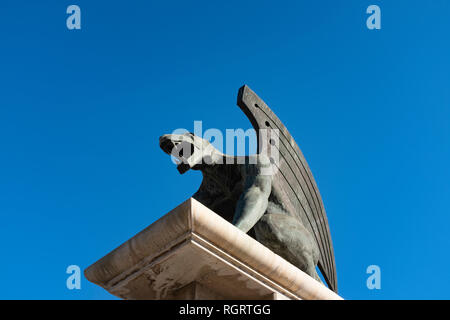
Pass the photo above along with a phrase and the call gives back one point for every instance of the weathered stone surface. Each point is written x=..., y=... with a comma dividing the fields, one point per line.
x=192, y=253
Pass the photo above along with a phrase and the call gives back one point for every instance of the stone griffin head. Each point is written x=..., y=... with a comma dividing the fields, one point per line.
x=189, y=150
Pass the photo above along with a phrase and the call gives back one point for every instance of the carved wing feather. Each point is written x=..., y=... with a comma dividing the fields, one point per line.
x=294, y=178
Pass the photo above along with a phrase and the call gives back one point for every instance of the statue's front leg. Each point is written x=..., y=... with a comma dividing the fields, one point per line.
x=253, y=201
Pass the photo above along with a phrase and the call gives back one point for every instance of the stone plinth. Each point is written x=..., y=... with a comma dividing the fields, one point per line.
x=192, y=253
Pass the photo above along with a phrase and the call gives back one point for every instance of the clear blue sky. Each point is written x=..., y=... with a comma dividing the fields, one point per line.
x=81, y=112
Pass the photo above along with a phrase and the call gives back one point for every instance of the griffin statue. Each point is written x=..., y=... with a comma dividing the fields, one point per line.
x=272, y=195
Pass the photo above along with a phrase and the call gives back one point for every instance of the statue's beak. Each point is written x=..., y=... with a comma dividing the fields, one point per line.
x=166, y=144
x=183, y=167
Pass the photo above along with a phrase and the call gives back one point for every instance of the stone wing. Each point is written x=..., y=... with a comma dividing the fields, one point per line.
x=293, y=177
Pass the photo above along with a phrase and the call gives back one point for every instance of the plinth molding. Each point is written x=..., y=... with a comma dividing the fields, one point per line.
x=193, y=253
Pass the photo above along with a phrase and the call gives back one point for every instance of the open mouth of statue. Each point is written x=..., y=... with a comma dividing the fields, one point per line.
x=167, y=146
x=181, y=151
